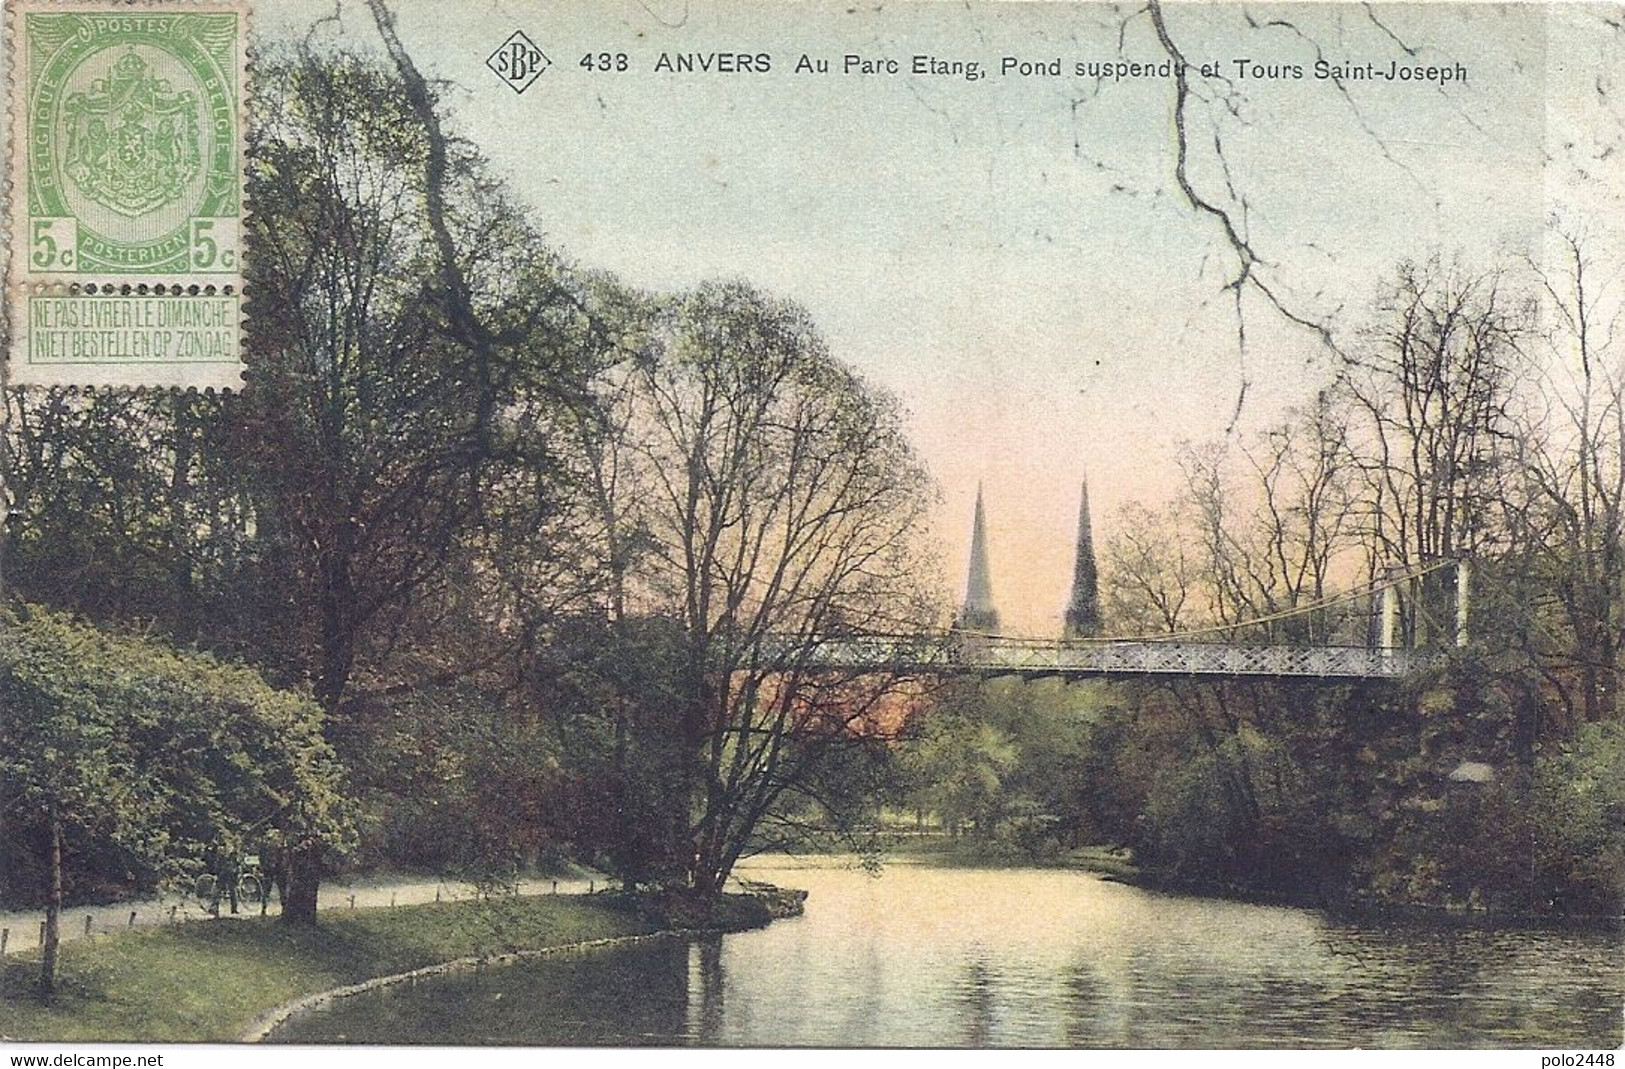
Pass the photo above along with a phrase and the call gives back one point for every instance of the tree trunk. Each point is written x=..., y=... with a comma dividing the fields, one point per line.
x=53, y=912
x=338, y=639
x=302, y=868
x=705, y=879
x=303, y=865
x=180, y=527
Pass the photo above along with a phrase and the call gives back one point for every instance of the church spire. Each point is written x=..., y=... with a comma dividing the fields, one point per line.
x=979, y=613
x=1083, y=608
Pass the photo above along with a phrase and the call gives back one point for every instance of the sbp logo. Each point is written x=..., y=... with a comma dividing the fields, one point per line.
x=518, y=62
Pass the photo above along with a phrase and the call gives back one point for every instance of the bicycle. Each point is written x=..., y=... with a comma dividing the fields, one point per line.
x=249, y=887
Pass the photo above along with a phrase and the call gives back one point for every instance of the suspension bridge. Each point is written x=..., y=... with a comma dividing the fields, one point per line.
x=991, y=657
x=1214, y=651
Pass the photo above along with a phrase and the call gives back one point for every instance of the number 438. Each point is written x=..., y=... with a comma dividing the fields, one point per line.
x=605, y=61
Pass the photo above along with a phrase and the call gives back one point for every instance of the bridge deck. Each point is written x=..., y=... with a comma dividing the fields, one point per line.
x=974, y=655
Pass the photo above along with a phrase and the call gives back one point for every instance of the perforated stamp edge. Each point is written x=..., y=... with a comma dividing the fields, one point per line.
x=127, y=335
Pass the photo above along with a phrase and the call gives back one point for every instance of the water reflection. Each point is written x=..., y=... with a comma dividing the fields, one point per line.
x=704, y=991
x=926, y=957
x=1086, y=1018
x=976, y=1003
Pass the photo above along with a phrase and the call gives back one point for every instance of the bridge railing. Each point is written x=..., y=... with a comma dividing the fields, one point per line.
x=1003, y=656
x=1193, y=658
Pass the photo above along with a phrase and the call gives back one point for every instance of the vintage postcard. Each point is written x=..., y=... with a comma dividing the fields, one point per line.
x=734, y=524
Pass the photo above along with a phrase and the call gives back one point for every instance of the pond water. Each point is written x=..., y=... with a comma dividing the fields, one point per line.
x=927, y=956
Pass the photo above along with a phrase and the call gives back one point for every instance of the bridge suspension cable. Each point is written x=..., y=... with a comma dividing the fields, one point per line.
x=1223, y=629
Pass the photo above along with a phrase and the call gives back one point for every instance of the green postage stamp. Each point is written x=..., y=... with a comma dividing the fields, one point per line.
x=126, y=195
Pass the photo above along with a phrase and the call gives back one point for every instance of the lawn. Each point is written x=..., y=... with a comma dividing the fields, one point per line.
x=970, y=852
x=209, y=980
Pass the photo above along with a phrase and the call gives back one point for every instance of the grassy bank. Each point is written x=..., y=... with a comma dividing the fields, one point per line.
x=970, y=852
x=207, y=981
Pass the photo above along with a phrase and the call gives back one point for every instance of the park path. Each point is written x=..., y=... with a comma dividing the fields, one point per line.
x=20, y=929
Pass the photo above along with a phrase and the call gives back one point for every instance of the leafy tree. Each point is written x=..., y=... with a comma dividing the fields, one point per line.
x=954, y=762
x=1113, y=774
x=614, y=714
x=128, y=506
x=1006, y=760
x=124, y=747
x=1576, y=823
x=413, y=343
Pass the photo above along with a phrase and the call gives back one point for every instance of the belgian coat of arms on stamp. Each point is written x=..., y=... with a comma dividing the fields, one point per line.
x=127, y=193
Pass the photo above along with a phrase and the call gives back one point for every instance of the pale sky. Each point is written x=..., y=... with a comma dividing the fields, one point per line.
x=1010, y=255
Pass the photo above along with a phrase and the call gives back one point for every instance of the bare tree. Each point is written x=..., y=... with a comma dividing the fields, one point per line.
x=1304, y=491
x=1229, y=569
x=1267, y=520
x=1433, y=383
x=1149, y=573
x=1574, y=464
x=782, y=510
